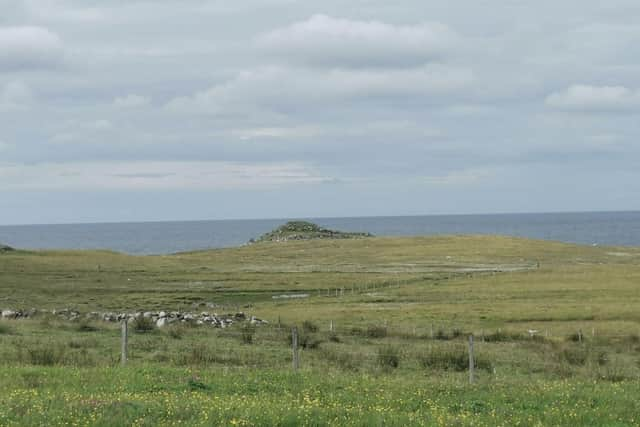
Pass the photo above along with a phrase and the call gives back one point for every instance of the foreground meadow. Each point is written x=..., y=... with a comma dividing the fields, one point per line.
x=383, y=334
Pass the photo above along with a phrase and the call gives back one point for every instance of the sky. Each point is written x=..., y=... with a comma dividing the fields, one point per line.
x=127, y=110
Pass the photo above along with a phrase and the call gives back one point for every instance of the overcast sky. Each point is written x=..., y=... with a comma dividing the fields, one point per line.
x=123, y=110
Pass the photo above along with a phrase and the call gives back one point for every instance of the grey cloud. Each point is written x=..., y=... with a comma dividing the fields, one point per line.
x=328, y=41
x=15, y=96
x=29, y=47
x=413, y=101
x=595, y=98
x=131, y=101
x=287, y=88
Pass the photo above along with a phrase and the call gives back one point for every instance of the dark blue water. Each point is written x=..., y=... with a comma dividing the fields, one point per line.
x=603, y=228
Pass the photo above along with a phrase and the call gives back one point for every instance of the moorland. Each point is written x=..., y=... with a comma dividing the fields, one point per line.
x=383, y=325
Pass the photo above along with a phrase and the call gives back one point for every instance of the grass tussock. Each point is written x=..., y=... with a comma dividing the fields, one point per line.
x=143, y=324
x=454, y=358
x=5, y=329
x=376, y=331
x=388, y=357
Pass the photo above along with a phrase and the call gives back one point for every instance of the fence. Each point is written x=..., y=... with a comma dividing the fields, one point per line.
x=490, y=352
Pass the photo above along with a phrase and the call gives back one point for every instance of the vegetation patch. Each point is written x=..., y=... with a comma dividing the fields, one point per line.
x=454, y=358
x=5, y=249
x=304, y=230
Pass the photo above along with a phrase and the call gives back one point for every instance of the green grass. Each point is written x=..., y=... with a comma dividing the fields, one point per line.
x=188, y=396
x=401, y=310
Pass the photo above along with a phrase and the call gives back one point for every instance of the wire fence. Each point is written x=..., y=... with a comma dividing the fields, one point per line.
x=437, y=348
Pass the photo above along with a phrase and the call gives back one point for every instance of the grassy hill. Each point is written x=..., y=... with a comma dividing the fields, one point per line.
x=401, y=310
x=303, y=230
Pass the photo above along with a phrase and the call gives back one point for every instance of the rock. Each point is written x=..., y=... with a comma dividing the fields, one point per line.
x=147, y=315
x=162, y=314
x=162, y=322
x=255, y=321
x=9, y=314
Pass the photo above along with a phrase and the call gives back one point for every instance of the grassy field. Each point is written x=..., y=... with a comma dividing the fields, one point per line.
x=401, y=309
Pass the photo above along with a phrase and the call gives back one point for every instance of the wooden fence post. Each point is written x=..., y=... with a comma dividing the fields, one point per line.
x=472, y=365
x=125, y=339
x=331, y=326
x=294, y=348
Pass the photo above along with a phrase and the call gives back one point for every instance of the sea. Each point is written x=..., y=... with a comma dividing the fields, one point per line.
x=145, y=238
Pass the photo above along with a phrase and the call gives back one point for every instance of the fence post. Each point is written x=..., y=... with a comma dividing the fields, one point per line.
x=580, y=336
x=294, y=347
x=331, y=326
x=472, y=365
x=125, y=338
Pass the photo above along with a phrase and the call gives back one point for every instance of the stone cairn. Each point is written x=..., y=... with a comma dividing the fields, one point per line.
x=159, y=318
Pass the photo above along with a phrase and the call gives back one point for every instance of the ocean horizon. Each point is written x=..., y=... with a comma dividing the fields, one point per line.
x=621, y=228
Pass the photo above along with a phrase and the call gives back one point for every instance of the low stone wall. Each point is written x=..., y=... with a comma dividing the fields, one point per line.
x=159, y=318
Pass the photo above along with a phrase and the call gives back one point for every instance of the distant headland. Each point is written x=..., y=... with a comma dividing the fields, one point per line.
x=304, y=230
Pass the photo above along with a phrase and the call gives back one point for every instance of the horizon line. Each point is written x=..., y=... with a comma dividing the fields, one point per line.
x=315, y=218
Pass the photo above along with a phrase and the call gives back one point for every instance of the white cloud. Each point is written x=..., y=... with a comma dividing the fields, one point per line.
x=150, y=175
x=29, y=47
x=595, y=98
x=324, y=40
x=131, y=101
x=281, y=87
x=15, y=96
x=275, y=133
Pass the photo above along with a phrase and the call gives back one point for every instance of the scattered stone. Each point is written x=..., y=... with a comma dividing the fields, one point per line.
x=160, y=319
x=9, y=314
x=290, y=296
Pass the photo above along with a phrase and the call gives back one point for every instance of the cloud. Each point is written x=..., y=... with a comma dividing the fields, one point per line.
x=276, y=133
x=53, y=10
x=327, y=41
x=15, y=96
x=155, y=175
x=29, y=48
x=90, y=131
x=276, y=88
x=458, y=178
x=4, y=146
x=595, y=98
x=131, y=101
